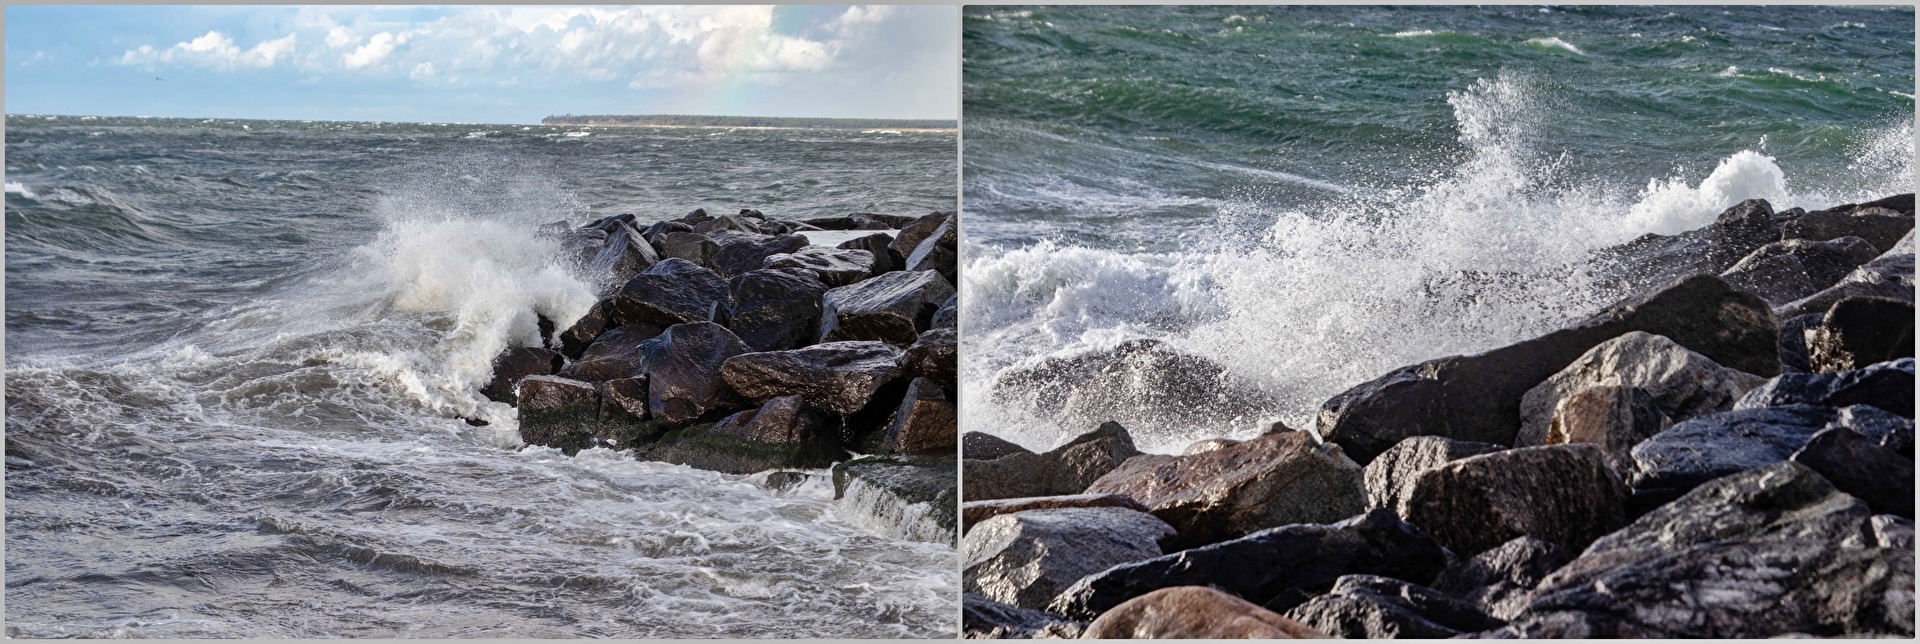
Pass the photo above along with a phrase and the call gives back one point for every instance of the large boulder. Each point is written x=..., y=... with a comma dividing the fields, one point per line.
x=1478, y=397
x=1269, y=481
x=684, y=371
x=745, y=251
x=1374, y=607
x=618, y=353
x=1683, y=383
x=1563, y=494
x=1859, y=331
x=935, y=355
x=1194, y=612
x=514, y=364
x=783, y=433
x=1278, y=568
x=558, y=412
x=1889, y=276
x=1389, y=479
x=1613, y=417
x=985, y=619
x=835, y=267
x=840, y=377
x=938, y=252
x=1706, y=448
x=893, y=308
x=912, y=498
x=1757, y=554
x=1500, y=580
x=1067, y=469
x=674, y=291
x=1787, y=270
x=1026, y=558
x=776, y=309
x=1793, y=342
x=984, y=446
x=879, y=247
x=973, y=512
x=1864, y=467
x=624, y=255
x=687, y=245
x=1879, y=226
x=588, y=328
x=925, y=423
x=1143, y=383
x=1888, y=385
x=909, y=237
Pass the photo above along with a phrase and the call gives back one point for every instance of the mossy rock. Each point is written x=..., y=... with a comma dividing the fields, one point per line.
x=697, y=446
x=912, y=480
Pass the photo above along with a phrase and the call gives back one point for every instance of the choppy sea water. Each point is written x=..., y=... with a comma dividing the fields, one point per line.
x=1303, y=194
x=237, y=351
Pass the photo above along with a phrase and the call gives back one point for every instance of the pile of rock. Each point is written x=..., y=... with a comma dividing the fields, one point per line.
x=1727, y=453
x=732, y=344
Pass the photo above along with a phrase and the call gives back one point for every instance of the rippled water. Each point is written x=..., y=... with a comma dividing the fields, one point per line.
x=237, y=352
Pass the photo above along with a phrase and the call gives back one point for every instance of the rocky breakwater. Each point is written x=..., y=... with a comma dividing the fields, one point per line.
x=733, y=344
x=1727, y=452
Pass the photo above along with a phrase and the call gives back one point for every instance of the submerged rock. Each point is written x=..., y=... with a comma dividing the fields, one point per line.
x=892, y=308
x=1025, y=558
x=1683, y=383
x=1194, y=612
x=1143, y=383
x=841, y=377
x=911, y=498
x=558, y=412
x=1269, y=481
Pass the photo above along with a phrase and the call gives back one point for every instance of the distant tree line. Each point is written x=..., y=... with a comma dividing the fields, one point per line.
x=743, y=121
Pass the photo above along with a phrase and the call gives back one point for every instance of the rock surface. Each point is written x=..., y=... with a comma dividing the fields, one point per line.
x=1025, y=558
x=1194, y=612
x=683, y=371
x=1389, y=479
x=893, y=308
x=1683, y=383
x=1067, y=469
x=558, y=412
x=514, y=364
x=1859, y=331
x=907, y=497
x=1373, y=607
x=835, y=267
x=982, y=446
x=617, y=353
x=674, y=291
x=1500, y=580
x=985, y=619
x=776, y=309
x=1888, y=385
x=925, y=423
x=1265, y=482
x=1863, y=467
x=973, y=512
x=1563, y=494
x=1706, y=448
x=1613, y=417
x=841, y=377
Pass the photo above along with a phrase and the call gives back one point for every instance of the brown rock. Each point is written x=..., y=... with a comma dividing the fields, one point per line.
x=1613, y=417
x=683, y=371
x=1269, y=481
x=925, y=423
x=972, y=512
x=1389, y=479
x=836, y=376
x=1194, y=612
x=1860, y=331
x=1067, y=469
x=1562, y=494
x=1683, y=383
x=514, y=364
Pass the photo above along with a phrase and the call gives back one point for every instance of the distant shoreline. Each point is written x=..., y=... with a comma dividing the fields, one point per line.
x=751, y=127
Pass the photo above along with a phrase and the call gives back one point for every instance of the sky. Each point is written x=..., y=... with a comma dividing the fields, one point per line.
x=482, y=64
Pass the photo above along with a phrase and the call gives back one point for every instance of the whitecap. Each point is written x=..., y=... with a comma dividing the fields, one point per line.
x=1555, y=43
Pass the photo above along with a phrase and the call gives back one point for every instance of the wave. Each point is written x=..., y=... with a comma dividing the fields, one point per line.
x=1555, y=43
x=16, y=188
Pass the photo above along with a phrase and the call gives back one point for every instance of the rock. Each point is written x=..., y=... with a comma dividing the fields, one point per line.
x=935, y=355
x=1613, y=417
x=908, y=239
x=1859, y=331
x=674, y=291
x=684, y=371
x=840, y=377
x=1208, y=445
x=579, y=247
x=776, y=309
x=1067, y=469
x=1784, y=271
x=609, y=224
x=1761, y=553
x=891, y=220
x=1478, y=397
x=623, y=401
x=1026, y=558
x=654, y=233
x=948, y=316
x=1706, y=448
x=618, y=353
x=1138, y=382
x=1389, y=479
x=847, y=222
x=1881, y=227
x=1269, y=481
x=981, y=446
x=698, y=215
x=910, y=498
x=1194, y=612
x=1888, y=385
x=1372, y=607
x=1278, y=568
x=1745, y=226
x=1500, y=580
x=973, y=512
x=1889, y=276
x=938, y=252
x=782, y=480
x=926, y=422
x=835, y=267
x=1863, y=467
x=690, y=246
x=1892, y=532
x=558, y=412
x=625, y=254
x=1563, y=494
x=1793, y=342
x=1683, y=383
x=584, y=331
x=880, y=247
x=514, y=364
x=735, y=223
x=982, y=618
x=741, y=252
x=892, y=308
x=782, y=433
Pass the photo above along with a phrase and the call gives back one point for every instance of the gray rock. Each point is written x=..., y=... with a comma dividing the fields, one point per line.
x=624, y=255
x=916, y=231
x=691, y=246
x=1373, y=607
x=1787, y=270
x=588, y=328
x=880, y=247
x=1888, y=385
x=981, y=446
x=914, y=498
x=1143, y=383
x=558, y=412
x=948, y=315
x=618, y=353
x=1612, y=417
x=893, y=308
x=740, y=252
x=1889, y=276
x=1389, y=479
x=935, y=355
x=1859, y=331
x=840, y=377
x=1793, y=342
x=835, y=267
x=1863, y=467
x=783, y=433
x=1500, y=580
x=1709, y=447
x=1265, y=482
x=1882, y=227
x=1026, y=558
x=939, y=251
x=1067, y=469
x=1890, y=531
x=973, y=512
x=674, y=291
x=982, y=618
x=1563, y=494
x=776, y=309
x=1683, y=383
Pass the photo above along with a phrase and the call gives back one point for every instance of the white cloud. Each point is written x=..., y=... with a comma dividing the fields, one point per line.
x=338, y=37
x=421, y=71
x=214, y=50
x=376, y=49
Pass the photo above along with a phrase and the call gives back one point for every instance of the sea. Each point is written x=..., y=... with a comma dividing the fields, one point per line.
x=238, y=353
x=1304, y=195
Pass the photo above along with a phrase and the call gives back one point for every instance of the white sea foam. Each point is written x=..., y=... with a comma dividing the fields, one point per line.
x=1413, y=33
x=1555, y=43
x=18, y=188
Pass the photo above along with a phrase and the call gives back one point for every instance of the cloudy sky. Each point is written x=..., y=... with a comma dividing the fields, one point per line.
x=483, y=63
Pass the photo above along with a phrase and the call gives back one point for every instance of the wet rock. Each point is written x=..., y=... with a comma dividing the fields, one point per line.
x=1208, y=445
x=892, y=308
x=1706, y=448
x=1278, y=568
x=558, y=412
x=1881, y=227
x=1373, y=607
x=855, y=221
x=1269, y=481
x=1767, y=552
x=1745, y=226
x=782, y=433
x=1564, y=494
x=1615, y=418
x=1478, y=397
x=624, y=400
x=938, y=252
x=624, y=255
x=1887, y=385
x=1026, y=558
x=1859, y=331
x=908, y=239
x=981, y=446
x=1194, y=612
x=698, y=215
x=907, y=497
x=1889, y=276
x=584, y=331
x=781, y=481
x=1683, y=383
x=674, y=291
x=1138, y=382
x=926, y=422
x=840, y=377
x=776, y=309
x=835, y=267
x=1389, y=479
x=618, y=353
x=982, y=618
x=1067, y=469
x=1892, y=532
x=735, y=223
x=655, y=233
x=690, y=246
x=684, y=371
x=1793, y=342
x=611, y=223
x=880, y=247
x=579, y=247
x=948, y=316
x=1784, y=271
x=1500, y=580
x=973, y=512
x=1863, y=467
x=514, y=364
x=741, y=252
x=935, y=355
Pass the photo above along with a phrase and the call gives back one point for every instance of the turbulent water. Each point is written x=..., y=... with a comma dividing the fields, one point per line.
x=1305, y=194
x=237, y=352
